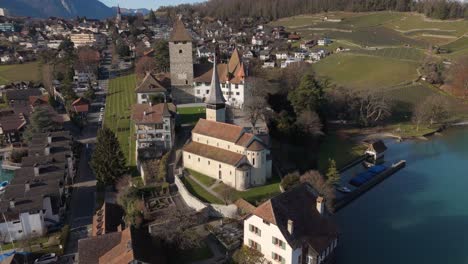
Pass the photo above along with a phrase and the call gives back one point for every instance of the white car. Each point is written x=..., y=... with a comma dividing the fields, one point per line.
x=102, y=109
x=46, y=259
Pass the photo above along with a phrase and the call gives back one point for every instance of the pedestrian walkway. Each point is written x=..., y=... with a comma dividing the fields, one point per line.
x=206, y=188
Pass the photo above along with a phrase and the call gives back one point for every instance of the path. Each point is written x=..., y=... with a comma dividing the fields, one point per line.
x=206, y=188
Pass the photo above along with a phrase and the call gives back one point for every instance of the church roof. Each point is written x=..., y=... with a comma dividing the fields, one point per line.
x=216, y=95
x=179, y=32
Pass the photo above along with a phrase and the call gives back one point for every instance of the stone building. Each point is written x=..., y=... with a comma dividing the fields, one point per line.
x=180, y=53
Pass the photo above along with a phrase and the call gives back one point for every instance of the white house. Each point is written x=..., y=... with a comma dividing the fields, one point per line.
x=150, y=88
x=231, y=75
x=324, y=42
x=286, y=63
x=85, y=75
x=257, y=41
x=292, y=228
x=226, y=152
x=154, y=127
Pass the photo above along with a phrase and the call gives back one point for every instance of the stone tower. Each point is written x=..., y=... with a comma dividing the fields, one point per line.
x=215, y=103
x=180, y=53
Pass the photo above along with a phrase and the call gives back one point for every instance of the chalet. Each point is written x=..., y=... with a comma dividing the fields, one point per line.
x=292, y=228
x=152, y=88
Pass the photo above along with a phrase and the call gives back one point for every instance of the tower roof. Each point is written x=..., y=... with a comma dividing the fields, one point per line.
x=179, y=32
x=216, y=95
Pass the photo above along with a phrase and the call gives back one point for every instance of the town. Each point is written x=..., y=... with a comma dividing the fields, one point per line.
x=184, y=134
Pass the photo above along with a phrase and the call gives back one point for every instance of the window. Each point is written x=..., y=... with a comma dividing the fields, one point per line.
x=220, y=175
x=198, y=159
x=207, y=91
x=237, y=93
x=277, y=257
x=198, y=91
x=220, y=166
x=278, y=242
x=237, y=86
x=180, y=51
x=255, y=230
x=188, y=156
x=255, y=245
x=253, y=161
x=208, y=162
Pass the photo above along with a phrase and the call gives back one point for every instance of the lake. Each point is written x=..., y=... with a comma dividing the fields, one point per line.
x=419, y=214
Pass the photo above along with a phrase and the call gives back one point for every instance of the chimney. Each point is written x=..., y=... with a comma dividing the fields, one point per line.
x=49, y=138
x=27, y=186
x=47, y=150
x=290, y=226
x=12, y=203
x=36, y=170
x=320, y=205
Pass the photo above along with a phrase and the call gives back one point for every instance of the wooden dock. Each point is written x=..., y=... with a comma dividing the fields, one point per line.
x=348, y=198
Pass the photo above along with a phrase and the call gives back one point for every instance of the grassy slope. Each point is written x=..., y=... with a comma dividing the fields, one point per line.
x=120, y=98
x=198, y=191
x=360, y=71
x=205, y=180
x=190, y=115
x=19, y=72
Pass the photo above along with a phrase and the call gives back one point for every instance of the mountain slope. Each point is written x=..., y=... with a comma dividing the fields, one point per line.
x=57, y=8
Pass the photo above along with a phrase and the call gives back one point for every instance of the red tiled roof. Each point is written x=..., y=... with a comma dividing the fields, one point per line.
x=218, y=130
x=146, y=114
x=214, y=153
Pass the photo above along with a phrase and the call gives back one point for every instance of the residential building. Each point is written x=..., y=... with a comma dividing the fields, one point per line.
x=85, y=74
x=232, y=77
x=12, y=125
x=7, y=27
x=150, y=88
x=154, y=128
x=180, y=52
x=224, y=151
x=88, y=39
x=324, y=42
x=292, y=228
x=80, y=106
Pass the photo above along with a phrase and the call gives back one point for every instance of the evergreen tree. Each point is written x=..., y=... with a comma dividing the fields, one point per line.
x=108, y=161
x=152, y=17
x=41, y=121
x=333, y=175
x=308, y=95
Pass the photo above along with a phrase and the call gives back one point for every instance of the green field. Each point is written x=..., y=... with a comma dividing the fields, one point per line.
x=20, y=72
x=361, y=71
x=190, y=115
x=255, y=195
x=394, y=53
x=198, y=191
x=121, y=96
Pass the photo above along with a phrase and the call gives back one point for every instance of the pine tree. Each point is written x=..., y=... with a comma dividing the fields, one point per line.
x=42, y=120
x=108, y=161
x=333, y=175
x=152, y=17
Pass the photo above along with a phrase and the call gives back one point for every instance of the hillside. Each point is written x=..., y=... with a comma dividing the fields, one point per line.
x=57, y=8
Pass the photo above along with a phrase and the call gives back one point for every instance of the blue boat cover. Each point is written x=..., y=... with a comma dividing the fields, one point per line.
x=377, y=169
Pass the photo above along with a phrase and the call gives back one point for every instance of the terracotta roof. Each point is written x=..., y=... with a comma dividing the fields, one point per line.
x=299, y=206
x=223, y=131
x=80, y=105
x=216, y=95
x=244, y=206
x=233, y=71
x=214, y=153
x=39, y=100
x=179, y=32
x=11, y=122
x=122, y=253
x=151, y=84
x=245, y=139
x=147, y=114
x=256, y=146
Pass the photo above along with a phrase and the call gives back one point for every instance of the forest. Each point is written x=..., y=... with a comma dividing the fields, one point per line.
x=275, y=9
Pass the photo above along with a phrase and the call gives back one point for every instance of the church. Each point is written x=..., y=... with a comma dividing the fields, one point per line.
x=227, y=152
x=194, y=79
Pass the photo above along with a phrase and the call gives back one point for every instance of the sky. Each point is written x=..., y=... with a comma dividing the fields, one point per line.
x=154, y=4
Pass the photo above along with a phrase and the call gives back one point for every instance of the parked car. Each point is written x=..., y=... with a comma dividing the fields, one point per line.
x=102, y=109
x=46, y=259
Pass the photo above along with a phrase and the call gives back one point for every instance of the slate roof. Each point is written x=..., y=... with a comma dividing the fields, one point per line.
x=216, y=95
x=299, y=205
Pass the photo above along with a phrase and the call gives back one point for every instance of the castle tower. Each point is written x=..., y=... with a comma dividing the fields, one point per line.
x=180, y=53
x=215, y=103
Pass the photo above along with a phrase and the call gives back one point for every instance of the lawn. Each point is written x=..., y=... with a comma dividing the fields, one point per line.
x=198, y=191
x=361, y=71
x=190, y=115
x=340, y=148
x=20, y=72
x=255, y=195
x=120, y=98
x=411, y=54
x=205, y=180
x=413, y=21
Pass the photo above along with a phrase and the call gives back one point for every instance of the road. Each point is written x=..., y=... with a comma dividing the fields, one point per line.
x=82, y=206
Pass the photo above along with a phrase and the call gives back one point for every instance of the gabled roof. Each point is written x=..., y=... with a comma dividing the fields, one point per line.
x=223, y=131
x=179, y=32
x=151, y=114
x=150, y=84
x=378, y=146
x=214, y=153
x=299, y=206
x=216, y=95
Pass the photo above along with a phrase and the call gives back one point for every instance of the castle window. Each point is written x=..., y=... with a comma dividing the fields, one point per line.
x=220, y=166
x=188, y=156
x=253, y=161
x=180, y=51
x=208, y=162
x=198, y=159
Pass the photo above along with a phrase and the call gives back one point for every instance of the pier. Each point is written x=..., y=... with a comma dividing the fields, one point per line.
x=345, y=199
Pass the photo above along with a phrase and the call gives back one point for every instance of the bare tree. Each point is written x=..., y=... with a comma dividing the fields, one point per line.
x=227, y=194
x=255, y=106
x=309, y=123
x=144, y=64
x=460, y=76
x=291, y=76
x=372, y=107
x=316, y=180
x=434, y=109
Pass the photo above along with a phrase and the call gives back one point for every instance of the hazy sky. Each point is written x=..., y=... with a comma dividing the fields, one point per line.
x=146, y=3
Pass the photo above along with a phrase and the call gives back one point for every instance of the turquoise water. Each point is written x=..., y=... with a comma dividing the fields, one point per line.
x=418, y=215
x=5, y=175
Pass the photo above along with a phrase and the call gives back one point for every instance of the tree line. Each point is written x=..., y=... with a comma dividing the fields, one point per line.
x=275, y=9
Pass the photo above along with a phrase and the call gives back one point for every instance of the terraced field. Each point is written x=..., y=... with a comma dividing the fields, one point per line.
x=119, y=100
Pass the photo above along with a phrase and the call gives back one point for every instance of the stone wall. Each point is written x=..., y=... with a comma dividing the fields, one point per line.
x=191, y=201
x=181, y=62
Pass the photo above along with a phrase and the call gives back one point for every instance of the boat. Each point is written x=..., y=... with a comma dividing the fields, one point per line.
x=3, y=186
x=343, y=189
x=367, y=164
